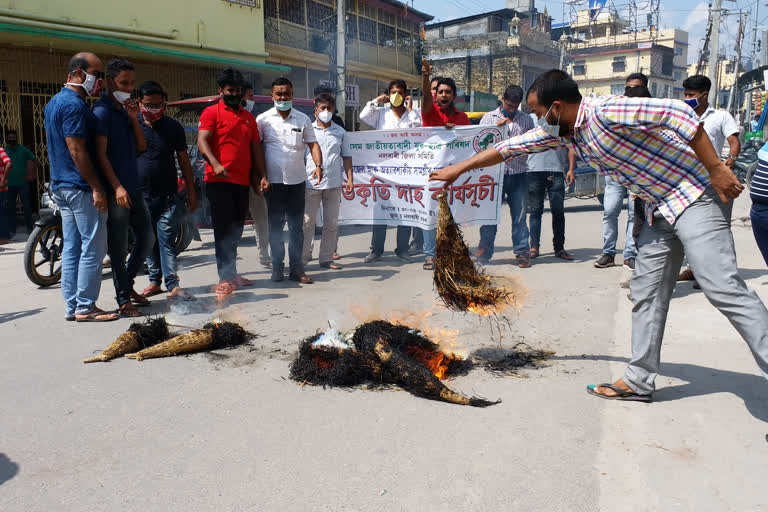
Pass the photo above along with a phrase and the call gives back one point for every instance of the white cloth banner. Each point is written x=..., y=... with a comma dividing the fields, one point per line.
x=391, y=170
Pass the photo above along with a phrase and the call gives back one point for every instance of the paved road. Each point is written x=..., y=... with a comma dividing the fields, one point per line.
x=232, y=433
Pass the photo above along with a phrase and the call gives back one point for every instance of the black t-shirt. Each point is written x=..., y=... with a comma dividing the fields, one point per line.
x=157, y=165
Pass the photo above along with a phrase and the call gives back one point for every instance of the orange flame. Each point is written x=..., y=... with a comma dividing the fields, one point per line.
x=436, y=362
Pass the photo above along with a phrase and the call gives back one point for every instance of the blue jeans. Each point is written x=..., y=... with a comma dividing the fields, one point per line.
x=553, y=185
x=85, y=244
x=379, y=236
x=162, y=259
x=119, y=222
x=515, y=192
x=286, y=203
x=759, y=217
x=4, y=221
x=430, y=240
x=26, y=202
x=613, y=203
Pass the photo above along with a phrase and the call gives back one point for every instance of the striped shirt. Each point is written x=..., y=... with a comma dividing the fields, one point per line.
x=520, y=124
x=4, y=160
x=758, y=189
x=642, y=143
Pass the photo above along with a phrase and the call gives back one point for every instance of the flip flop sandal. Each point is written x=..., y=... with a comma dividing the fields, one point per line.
x=127, y=311
x=622, y=395
x=151, y=292
x=533, y=254
x=140, y=304
x=241, y=281
x=183, y=295
x=331, y=265
x=97, y=315
x=429, y=264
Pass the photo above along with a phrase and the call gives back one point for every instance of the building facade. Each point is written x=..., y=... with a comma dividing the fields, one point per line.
x=603, y=50
x=488, y=52
x=182, y=48
x=382, y=43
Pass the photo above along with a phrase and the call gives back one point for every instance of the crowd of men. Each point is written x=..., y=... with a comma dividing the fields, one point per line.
x=114, y=172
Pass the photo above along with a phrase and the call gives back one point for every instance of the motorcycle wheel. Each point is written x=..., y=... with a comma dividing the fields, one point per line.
x=42, y=254
x=184, y=238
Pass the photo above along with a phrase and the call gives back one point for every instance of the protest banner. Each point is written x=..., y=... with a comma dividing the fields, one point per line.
x=391, y=170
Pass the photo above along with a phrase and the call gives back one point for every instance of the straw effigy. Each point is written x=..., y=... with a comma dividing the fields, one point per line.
x=211, y=337
x=460, y=285
x=380, y=354
x=138, y=336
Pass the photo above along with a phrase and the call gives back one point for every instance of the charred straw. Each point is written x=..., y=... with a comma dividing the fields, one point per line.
x=457, y=281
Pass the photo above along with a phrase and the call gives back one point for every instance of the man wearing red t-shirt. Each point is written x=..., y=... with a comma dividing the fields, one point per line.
x=228, y=139
x=440, y=111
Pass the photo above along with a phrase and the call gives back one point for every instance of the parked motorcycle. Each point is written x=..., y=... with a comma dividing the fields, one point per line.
x=745, y=164
x=42, y=253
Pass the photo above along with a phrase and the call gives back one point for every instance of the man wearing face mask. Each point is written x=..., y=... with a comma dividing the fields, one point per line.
x=230, y=141
x=658, y=149
x=158, y=184
x=77, y=188
x=515, y=187
x=287, y=134
x=337, y=162
x=386, y=112
x=257, y=203
x=25, y=164
x=118, y=141
x=719, y=125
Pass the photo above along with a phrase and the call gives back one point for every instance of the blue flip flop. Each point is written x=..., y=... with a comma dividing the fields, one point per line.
x=621, y=394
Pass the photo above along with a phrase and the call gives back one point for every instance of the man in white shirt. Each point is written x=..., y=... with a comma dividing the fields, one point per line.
x=386, y=112
x=337, y=160
x=719, y=126
x=286, y=133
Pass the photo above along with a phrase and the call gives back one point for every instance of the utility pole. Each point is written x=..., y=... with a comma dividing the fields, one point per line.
x=737, y=68
x=341, y=58
x=714, y=49
x=755, y=56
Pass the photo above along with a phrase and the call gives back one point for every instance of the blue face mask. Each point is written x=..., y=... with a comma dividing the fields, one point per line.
x=553, y=130
x=693, y=102
x=283, y=106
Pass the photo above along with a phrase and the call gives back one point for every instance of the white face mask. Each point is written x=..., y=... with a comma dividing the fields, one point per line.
x=121, y=96
x=92, y=85
x=553, y=130
x=325, y=116
x=249, y=105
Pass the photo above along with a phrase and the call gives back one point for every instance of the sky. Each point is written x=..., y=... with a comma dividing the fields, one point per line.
x=688, y=15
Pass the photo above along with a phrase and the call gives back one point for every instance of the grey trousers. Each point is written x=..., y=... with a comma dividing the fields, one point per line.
x=703, y=232
x=258, y=207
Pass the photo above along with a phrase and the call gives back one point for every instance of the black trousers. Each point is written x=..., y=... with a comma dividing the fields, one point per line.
x=229, y=206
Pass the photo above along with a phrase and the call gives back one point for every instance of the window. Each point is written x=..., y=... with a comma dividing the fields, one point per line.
x=292, y=10
x=386, y=35
x=367, y=30
x=579, y=67
x=619, y=64
x=730, y=67
x=351, y=26
x=678, y=75
x=617, y=89
x=404, y=41
x=667, y=64
x=247, y=3
x=270, y=8
x=678, y=51
x=653, y=89
x=321, y=17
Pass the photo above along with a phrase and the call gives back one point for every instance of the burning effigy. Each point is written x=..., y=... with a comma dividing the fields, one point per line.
x=460, y=285
x=140, y=335
x=213, y=336
x=380, y=353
